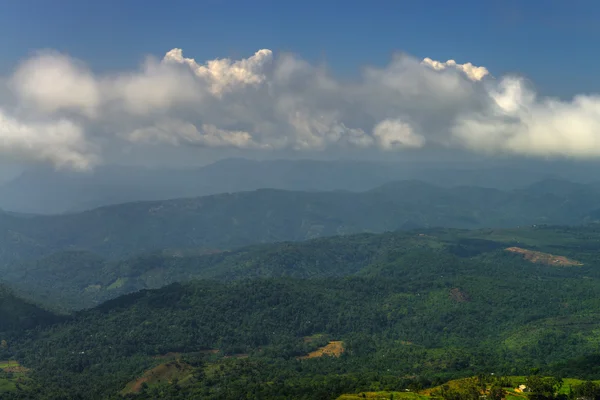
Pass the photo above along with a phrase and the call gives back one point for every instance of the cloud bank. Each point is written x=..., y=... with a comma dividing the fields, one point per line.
x=54, y=109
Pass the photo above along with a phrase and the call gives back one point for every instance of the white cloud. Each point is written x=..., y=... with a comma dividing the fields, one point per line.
x=396, y=134
x=156, y=87
x=472, y=72
x=280, y=102
x=60, y=143
x=225, y=75
x=516, y=123
x=52, y=82
x=180, y=132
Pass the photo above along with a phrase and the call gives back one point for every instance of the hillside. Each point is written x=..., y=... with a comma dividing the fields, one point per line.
x=17, y=314
x=409, y=317
x=229, y=221
x=75, y=279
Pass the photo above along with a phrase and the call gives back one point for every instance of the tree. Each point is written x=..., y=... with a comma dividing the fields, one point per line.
x=542, y=388
x=496, y=392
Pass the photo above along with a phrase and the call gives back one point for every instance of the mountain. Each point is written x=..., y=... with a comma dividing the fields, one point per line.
x=46, y=191
x=73, y=280
x=231, y=220
x=399, y=308
x=17, y=314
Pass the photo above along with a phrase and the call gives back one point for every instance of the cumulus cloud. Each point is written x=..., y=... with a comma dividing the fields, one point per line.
x=155, y=88
x=63, y=113
x=180, y=132
x=517, y=123
x=472, y=72
x=61, y=143
x=52, y=82
x=225, y=75
x=395, y=134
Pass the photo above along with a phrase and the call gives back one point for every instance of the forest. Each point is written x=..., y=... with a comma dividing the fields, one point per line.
x=231, y=220
x=406, y=310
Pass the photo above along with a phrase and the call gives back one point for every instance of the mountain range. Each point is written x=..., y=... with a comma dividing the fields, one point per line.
x=231, y=220
x=243, y=295
x=48, y=191
x=402, y=308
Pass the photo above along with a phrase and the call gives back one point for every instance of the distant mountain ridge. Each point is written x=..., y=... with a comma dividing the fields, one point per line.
x=46, y=191
x=231, y=220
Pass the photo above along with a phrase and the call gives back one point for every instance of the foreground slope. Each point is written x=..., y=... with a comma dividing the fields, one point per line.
x=429, y=306
x=228, y=221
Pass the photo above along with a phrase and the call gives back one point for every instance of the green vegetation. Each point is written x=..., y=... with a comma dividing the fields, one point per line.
x=359, y=316
x=412, y=309
x=17, y=315
x=228, y=221
x=496, y=387
x=73, y=280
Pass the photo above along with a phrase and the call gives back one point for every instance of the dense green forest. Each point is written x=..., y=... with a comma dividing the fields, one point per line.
x=228, y=221
x=74, y=280
x=412, y=309
x=17, y=314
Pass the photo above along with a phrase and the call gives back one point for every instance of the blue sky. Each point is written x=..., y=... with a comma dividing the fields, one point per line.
x=551, y=42
x=524, y=83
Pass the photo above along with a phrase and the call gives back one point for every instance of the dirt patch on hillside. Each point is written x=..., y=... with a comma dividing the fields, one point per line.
x=163, y=373
x=459, y=296
x=12, y=367
x=538, y=257
x=334, y=348
x=17, y=369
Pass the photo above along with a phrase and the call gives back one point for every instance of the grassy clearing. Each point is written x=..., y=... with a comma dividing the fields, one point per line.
x=13, y=375
x=8, y=364
x=334, y=348
x=117, y=284
x=512, y=393
x=526, y=236
x=537, y=257
x=384, y=395
x=162, y=374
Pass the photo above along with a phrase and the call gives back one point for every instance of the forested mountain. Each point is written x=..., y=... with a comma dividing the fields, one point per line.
x=228, y=221
x=17, y=314
x=76, y=279
x=426, y=307
x=48, y=191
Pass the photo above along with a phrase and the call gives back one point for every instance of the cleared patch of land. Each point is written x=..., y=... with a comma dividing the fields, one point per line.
x=335, y=348
x=383, y=396
x=13, y=377
x=12, y=366
x=538, y=257
x=512, y=392
x=161, y=374
x=459, y=296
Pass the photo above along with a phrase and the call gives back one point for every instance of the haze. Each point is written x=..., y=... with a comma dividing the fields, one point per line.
x=282, y=200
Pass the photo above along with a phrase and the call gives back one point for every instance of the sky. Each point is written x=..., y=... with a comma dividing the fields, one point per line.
x=85, y=83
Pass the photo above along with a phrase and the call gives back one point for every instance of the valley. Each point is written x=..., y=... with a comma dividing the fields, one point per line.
x=373, y=311
x=418, y=306
x=277, y=200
